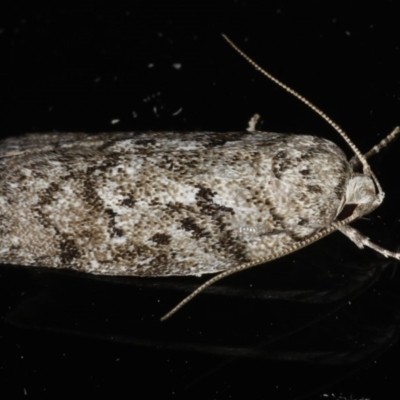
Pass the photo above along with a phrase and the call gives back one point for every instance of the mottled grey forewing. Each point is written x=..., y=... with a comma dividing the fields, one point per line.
x=163, y=203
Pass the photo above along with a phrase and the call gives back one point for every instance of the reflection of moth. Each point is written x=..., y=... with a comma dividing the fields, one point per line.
x=157, y=204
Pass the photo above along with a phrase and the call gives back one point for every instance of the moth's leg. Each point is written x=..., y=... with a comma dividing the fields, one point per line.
x=381, y=145
x=252, y=123
x=360, y=240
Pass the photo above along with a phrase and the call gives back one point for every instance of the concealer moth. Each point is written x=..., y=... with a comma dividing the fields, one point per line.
x=168, y=203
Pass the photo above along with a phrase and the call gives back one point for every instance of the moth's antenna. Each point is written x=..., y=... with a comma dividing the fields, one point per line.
x=334, y=226
x=296, y=246
x=366, y=167
x=383, y=143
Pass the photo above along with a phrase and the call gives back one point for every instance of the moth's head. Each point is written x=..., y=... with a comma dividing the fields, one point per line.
x=362, y=194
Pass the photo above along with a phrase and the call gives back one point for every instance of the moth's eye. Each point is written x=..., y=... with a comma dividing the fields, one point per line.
x=347, y=211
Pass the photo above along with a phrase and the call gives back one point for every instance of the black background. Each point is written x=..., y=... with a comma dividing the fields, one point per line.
x=321, y=323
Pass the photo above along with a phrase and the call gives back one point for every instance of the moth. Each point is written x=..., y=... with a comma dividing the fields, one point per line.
x=167, y=203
